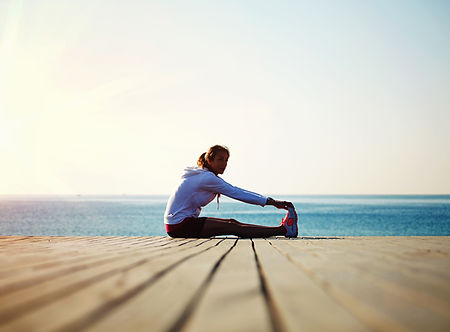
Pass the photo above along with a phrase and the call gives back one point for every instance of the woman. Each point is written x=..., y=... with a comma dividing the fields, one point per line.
x=200, y=185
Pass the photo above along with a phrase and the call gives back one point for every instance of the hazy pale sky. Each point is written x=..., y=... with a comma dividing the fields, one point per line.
x=311, y=97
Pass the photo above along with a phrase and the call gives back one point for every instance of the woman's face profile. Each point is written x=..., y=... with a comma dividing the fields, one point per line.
x=219, y=164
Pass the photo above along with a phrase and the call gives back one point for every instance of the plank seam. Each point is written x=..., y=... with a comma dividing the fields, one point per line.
x=275, y=318
x=377, y=322
x=416, y=296
x=14, y=312
x=11, y=287
x=113, y=304
x=198, y=295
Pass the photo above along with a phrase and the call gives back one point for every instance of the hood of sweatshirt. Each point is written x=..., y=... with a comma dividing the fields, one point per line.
x=191, y=171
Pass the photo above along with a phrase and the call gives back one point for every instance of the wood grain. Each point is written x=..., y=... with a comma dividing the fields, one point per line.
x=224, y=284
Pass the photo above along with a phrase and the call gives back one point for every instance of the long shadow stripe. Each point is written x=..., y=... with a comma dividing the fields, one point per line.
x=18, y=310
x=33, y=281
x=113, y=304
x=271, y=307
x=196, y=298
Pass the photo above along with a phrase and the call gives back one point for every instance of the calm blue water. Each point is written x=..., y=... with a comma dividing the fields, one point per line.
x=143, y=215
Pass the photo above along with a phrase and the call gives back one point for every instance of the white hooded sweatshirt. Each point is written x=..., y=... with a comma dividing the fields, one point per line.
x=198, y=188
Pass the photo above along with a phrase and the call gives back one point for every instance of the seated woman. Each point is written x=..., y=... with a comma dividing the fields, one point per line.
x=200, y=185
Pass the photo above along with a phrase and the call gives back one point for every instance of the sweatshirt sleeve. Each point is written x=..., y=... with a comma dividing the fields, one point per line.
x=217, y=185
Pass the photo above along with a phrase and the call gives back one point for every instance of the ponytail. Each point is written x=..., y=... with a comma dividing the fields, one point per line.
x=202, y=162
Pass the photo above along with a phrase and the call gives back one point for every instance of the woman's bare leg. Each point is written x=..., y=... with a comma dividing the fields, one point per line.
x=218, y=226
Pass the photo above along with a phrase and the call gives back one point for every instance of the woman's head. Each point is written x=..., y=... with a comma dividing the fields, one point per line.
x=215, y=159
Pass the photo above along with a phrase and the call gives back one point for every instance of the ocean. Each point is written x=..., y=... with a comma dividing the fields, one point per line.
x=410, y=215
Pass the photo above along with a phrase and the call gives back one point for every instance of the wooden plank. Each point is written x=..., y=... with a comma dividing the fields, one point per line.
x=369, y=298
x=369, y=316
x=418, y=272
x=431, y=242
x=29, y=277
x=431, y=260
x=65, y=252
x=233, y=301
x=170, y=300
x=82, y=307
x=432, y=263
x=39, y=293
x=301, y=303
x=382, y=283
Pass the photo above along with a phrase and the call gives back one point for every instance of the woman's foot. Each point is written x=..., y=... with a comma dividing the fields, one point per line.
x=290, y=223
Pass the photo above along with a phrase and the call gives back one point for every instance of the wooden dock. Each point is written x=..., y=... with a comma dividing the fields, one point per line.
x=224, y=284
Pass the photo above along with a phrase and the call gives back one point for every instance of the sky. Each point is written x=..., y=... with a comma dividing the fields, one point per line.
x=311, y=97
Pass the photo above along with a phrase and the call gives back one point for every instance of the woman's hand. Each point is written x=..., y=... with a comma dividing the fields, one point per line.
x=279, y=204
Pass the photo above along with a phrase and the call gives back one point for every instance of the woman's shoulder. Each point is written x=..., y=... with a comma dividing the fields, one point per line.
x=193, y=171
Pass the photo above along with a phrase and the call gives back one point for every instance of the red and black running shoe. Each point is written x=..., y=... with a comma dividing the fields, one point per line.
x=290, y=223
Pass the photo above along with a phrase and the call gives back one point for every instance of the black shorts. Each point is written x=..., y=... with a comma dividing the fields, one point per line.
x=189, y=227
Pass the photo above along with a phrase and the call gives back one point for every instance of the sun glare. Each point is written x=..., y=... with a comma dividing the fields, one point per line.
x=6, y=135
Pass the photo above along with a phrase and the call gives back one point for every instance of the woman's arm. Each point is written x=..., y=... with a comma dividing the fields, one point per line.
x=218, y=185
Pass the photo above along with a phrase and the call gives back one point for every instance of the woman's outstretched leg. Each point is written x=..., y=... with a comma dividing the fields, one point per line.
x=218, y=226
